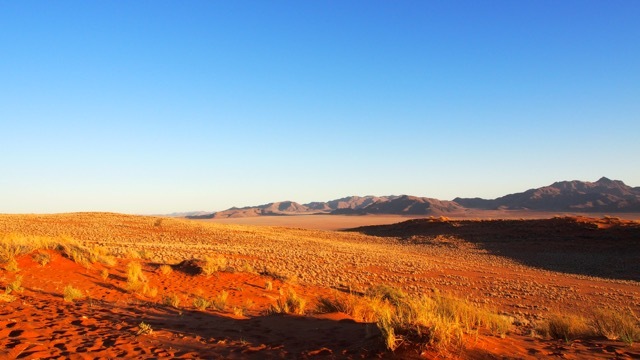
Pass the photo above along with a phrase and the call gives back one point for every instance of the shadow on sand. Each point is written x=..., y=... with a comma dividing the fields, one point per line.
x=606, y=248
x=212, y=335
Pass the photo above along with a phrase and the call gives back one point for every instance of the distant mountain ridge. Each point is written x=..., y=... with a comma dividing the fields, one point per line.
x=604, y=195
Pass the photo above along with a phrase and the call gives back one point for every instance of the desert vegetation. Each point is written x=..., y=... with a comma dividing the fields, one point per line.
x=72, y=294
x=441, y=294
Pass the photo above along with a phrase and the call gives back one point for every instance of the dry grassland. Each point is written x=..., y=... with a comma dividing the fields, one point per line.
x=487, y=284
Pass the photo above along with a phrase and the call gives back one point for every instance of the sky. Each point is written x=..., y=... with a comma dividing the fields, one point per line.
x=152, y=107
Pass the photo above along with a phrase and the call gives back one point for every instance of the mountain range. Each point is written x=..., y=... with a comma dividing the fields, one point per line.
x=604, y=195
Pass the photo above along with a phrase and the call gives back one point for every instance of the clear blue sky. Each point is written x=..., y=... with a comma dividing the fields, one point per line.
x=162, y=106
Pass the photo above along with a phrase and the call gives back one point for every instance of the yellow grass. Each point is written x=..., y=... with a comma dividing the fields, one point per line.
x=565, y=327
x=621, y=325
x=290, y=303
x=212, y=264
x=437, y=320
x=165, y=269
x=72, y=294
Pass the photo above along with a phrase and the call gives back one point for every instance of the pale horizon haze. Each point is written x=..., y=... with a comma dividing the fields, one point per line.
x=155, y=107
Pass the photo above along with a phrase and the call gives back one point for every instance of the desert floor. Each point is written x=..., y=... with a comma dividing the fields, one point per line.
x=527, y=271
x=341, y=222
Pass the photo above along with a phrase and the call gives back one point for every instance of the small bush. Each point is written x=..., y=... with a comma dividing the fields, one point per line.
x=134, y=272
x=437, y=320
x=201, y=303
x=98, y=254
x=135, y=278
x=71, y=294
x=171, y=300
x=220, y=301
x=165, y=269
x=386, y=325
x=362, y=309
x=213, y=264
x=565, y=327
x=15, y=286
x=615, y=325
x=290, y=303
x=238, y=311
x=144, y=329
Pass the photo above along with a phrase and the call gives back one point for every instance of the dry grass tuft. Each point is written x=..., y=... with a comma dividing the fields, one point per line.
x=360, y=308
x=144, y=329
x=13, y=245
x=565, y=327
x=4, y=297
x=212, y=264
x=151, y=292
x=12, y=265
x=201, y=303
x=386, y=292
x=104, y=274
x=165, y=269
x=42, y=258
x=439, y=321
x=15, y=286
x=220, y=301
x=238, y=311
x=171, y=300
x=136, y=280
x=71, y=294
x=615, y=325
x=290, y=303
x=83, y=255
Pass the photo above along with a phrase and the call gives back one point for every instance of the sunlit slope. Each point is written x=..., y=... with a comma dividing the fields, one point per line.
x=320, y=257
